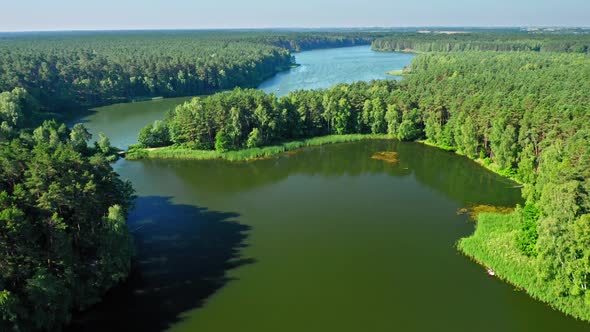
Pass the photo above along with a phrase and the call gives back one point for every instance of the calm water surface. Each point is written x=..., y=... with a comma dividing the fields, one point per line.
x=321, y=69
x=122, y=122
x=325, y=239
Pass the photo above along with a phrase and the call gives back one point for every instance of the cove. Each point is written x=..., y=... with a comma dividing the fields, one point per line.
x=325, y=239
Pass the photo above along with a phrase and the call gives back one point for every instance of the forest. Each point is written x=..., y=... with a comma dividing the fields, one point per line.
x=523, y=114
x=499, y=42
x=63, y=234
x=68, y=71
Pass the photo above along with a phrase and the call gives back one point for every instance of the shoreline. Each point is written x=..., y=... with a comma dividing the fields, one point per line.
x=135, y=152
x=174, y=152
x=492, y=245
x=480, y=162
x=486, y=246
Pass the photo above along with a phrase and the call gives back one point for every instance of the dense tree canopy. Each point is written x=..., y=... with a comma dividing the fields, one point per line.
x=530, y=117
x=242, y=118
x=75, y=71
x=500, y=42
x=65, y=71
x=70, y=70
x=16, y=111
x=63, y=237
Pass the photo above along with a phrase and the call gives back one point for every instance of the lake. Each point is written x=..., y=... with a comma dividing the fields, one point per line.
x=321, y=239
x=321, y=69
x=318, y=69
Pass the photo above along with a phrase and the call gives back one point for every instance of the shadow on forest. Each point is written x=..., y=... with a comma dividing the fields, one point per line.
x=183, y=254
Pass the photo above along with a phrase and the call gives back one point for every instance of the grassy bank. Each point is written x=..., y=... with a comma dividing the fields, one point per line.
x=493, y=245
x=174, y=152
x=179, y=152
x=442, y=147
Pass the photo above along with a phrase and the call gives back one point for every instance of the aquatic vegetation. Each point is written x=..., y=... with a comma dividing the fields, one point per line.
x=386, y=156
x=176, y=152
x=293, y=152
x=474, y=211
x=398, y=72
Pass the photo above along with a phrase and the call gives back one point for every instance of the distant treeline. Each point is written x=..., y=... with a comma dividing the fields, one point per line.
x=499, y=42
x=309, y=41
x=525, y=114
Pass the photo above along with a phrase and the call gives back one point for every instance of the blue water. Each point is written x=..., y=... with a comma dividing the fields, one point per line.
x=321, y=69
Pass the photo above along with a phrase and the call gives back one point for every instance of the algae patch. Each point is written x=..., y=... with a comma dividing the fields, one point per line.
x=386, y=156
x=474, y=211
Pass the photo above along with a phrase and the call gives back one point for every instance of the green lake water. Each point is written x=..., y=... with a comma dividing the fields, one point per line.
x=325, y=239
x=121, y=123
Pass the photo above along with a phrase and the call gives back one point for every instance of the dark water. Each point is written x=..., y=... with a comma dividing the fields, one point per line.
x=324, y=240
x=327, y=239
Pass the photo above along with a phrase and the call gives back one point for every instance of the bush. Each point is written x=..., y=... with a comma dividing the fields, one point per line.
x=254, y=139
x=222, y=141
x=154, y=135
x=526, y=238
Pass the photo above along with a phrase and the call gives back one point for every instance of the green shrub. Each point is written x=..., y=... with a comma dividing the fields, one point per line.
x=154, y=135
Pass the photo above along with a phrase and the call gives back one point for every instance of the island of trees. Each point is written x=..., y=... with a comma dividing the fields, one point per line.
x=63, y=238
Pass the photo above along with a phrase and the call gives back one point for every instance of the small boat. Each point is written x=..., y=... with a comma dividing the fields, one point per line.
x=491, y=272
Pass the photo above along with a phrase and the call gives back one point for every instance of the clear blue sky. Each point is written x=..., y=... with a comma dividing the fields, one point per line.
x=19, y=15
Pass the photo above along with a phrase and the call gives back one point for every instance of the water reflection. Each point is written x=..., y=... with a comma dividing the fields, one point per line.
x=456, y=177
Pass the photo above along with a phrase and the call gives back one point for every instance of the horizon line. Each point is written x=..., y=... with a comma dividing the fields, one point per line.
x=299, y=28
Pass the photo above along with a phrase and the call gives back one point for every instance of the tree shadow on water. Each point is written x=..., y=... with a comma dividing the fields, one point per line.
x=182, y=255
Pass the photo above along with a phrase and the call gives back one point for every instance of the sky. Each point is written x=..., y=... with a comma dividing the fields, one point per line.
x=36, y=15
